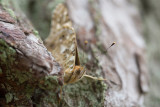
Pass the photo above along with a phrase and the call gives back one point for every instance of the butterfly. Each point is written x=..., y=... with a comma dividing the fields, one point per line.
x=62, y=43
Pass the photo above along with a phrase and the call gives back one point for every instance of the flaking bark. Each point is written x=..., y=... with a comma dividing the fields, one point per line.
x=24, y=60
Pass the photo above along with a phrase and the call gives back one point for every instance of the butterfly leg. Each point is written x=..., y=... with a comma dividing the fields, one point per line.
x=95, y=78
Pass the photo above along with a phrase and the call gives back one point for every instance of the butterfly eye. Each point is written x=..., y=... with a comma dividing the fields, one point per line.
x=78, y=71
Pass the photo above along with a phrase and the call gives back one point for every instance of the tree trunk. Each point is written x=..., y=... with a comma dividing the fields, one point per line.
x=31, y=77
x=27, y=68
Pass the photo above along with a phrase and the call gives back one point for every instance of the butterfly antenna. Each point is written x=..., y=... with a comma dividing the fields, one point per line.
x=111, y=45
x=108, y=47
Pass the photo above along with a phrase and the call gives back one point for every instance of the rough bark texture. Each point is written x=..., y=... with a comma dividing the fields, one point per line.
x=25, y=63
x=125, y=63
x=101, y=22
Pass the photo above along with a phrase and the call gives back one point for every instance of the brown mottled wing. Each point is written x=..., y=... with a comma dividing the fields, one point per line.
x=60, y=18
x=62, y=39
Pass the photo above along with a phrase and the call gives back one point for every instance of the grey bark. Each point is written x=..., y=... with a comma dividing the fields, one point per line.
x=125, y=63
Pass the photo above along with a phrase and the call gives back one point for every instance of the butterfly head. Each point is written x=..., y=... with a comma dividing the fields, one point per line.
x=75, y=75
x=79, y=71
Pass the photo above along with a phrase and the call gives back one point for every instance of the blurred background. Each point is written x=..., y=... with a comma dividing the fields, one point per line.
x=150, y=13
x=150, y=16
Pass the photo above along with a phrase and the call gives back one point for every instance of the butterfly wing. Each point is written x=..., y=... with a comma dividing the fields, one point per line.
x=62, y=39
x=60, y=18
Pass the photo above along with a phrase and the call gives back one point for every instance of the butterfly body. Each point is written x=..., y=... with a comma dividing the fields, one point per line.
x=76, y=74
x=63, y=45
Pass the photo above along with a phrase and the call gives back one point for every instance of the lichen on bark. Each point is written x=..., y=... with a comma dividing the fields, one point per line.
x=20, y=87
x=20, y=82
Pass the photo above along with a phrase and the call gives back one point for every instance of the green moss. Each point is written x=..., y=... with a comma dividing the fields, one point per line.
x=36, y=33
x=11, y=12
x=21, y=76
x=6, y=4
x=49, y=82
x=24, y=79
x=82, y=57
x=48, y=90
x=29, y=90
x=51, y=98
x=7, y=59
x=6, y=53
x=86, y=90
x=18, y=78
x=9, y=97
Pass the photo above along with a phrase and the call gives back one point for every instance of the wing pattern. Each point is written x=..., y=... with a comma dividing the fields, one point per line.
x=62, y=43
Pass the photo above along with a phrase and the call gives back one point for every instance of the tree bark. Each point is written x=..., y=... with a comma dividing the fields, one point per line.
x=125, y=63
x=100, y=22
x=25, y=63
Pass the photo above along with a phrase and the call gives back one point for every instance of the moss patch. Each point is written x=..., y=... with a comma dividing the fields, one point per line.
x=6, y=53
x=11, y=12
x=85, y=93
x=9, y=97
x=6, y=4
x=48, y=91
